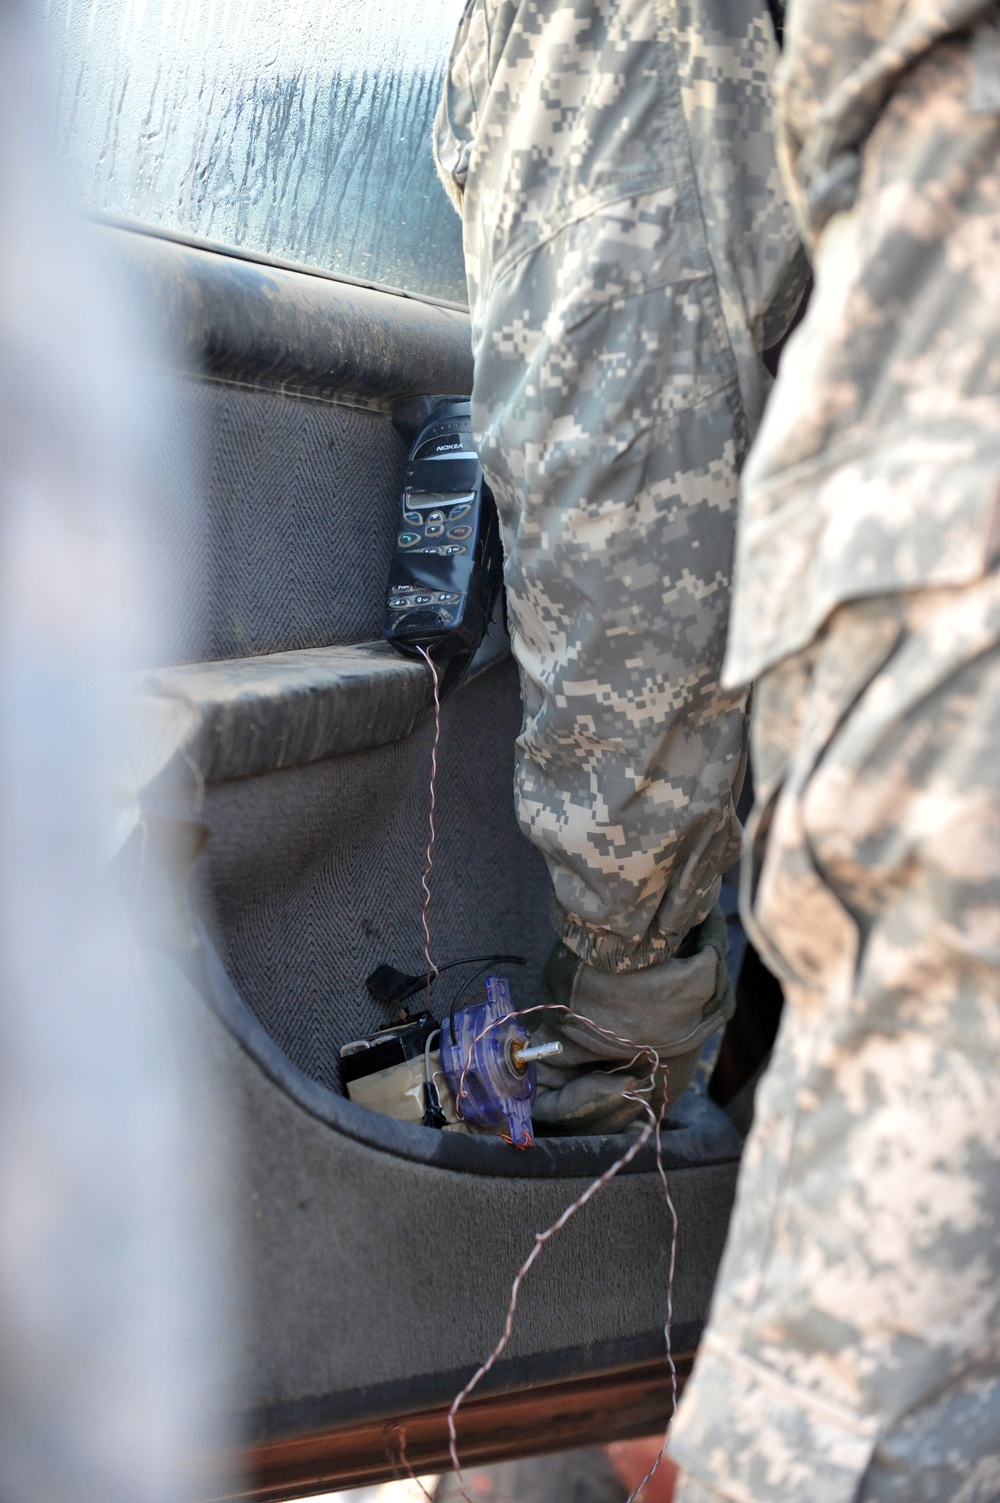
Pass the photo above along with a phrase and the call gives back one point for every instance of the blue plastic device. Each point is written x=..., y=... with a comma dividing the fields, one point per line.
x=498, y=1088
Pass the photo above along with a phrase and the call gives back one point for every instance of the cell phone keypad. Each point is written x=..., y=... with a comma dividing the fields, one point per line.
x=404, y=597
x=434, y=530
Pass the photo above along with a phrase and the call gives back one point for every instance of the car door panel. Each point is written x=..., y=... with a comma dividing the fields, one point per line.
x=373, y=1259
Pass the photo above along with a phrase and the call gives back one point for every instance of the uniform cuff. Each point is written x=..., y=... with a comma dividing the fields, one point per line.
x=674, y=1006
x=603, y=950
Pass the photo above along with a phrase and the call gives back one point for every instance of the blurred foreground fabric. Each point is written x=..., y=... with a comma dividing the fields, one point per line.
x=108, y=1349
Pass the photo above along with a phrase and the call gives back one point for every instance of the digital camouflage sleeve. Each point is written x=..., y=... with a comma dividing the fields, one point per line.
x=853, y=1351
x=629, y=253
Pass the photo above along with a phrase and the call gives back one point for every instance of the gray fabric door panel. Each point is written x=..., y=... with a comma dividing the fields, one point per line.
x=287, y=709
x=697, y=1132
x=284, y=380
x=370, y=1284
x=374, y=1257
x=302, y=521
x=292, y=546
x=312, y=875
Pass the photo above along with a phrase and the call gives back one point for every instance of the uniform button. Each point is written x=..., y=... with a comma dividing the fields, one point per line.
x=407, y=539
x=422, y=599
x=453, y=548
x=459, y=532
x=442, y=595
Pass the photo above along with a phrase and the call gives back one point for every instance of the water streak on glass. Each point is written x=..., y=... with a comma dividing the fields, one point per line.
x=298, y=128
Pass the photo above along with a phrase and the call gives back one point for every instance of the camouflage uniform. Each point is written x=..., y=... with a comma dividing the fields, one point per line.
x=629, y=253
x=853, y=1350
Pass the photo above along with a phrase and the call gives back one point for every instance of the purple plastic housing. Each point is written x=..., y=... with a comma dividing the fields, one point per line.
x=495, y=1096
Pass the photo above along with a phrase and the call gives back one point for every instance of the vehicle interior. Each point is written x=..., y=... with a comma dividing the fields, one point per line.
x=266, y=197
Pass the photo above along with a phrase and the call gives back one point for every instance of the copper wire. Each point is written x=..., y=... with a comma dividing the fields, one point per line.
x=425, y=880
x=398, y=1434
x=653, y=1126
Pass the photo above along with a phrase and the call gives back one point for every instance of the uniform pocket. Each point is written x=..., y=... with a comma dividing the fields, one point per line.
x=794, y=914
x=903, y=819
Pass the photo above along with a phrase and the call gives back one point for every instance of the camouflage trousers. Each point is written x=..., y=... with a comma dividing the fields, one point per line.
x=853, y=1350
x=629, y=253
x=854, y=1344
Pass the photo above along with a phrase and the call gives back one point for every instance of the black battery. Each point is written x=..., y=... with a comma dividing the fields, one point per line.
x=388, y=1047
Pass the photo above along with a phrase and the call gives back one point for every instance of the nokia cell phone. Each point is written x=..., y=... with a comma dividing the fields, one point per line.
x=447, y=564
